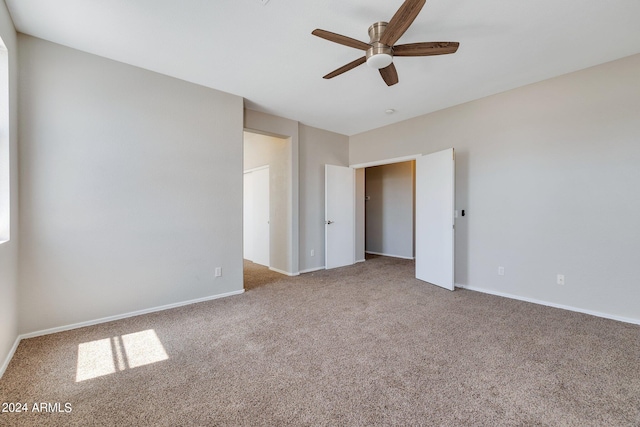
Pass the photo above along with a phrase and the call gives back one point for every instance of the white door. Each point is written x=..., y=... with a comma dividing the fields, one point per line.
x=339, y=229
x=260, y=227
x=247, y=218
x=435, y=188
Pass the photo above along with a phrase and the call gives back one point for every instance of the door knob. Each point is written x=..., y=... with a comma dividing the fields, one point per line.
x=328, y=222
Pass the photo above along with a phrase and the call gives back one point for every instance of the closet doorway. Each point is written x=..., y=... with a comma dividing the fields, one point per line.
x=389, y=210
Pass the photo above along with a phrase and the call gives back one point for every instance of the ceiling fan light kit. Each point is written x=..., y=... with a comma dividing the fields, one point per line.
x=381, y=47
x=378, y=55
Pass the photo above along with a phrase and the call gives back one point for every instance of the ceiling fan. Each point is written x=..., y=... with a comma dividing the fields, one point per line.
x=381, y=49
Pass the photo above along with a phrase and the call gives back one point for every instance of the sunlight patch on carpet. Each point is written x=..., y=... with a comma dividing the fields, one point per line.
x=143, y=348
x=94, y=360
x=109, y=355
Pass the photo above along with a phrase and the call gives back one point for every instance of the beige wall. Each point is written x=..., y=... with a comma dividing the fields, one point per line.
x=262, y=150
x=548, y=175
x=131, y=188
x=9, y=249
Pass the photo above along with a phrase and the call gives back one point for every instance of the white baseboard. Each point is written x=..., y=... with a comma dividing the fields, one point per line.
x=286, y=273
x=7, y=359
x=105, y=320
x=551, y=304
x=125, y=315
x=360, y=260
x=389, y=255
x=310, y=270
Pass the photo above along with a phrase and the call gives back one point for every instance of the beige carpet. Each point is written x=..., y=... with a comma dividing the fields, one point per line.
x=362, y=345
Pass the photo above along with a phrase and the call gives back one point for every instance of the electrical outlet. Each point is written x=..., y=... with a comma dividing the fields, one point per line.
x=313, y=252
x=560, y=279
x=218, y=272
x=500, y=271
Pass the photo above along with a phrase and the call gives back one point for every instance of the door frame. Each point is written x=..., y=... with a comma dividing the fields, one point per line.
x=360, y=220
x=386, y=161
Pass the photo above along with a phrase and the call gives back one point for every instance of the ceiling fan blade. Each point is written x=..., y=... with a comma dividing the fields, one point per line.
x=351, y=65
x=401, y=21
x=389, y=75
x=425, y=49
x=340, y=39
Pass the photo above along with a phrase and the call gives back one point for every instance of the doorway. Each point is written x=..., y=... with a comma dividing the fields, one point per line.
x=434, y=214
x=390, y=210
x=267, y=190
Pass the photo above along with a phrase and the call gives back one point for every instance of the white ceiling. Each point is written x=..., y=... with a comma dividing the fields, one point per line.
x=266, y=53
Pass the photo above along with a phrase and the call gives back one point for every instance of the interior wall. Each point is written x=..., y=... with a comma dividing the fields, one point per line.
x=548, y=176
x=287, y=260
x=263, y=150
x=131, y=188
x=389, y=210
x=9, y=249
x=317, y=148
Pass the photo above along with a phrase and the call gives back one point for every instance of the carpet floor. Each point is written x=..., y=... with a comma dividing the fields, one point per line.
x=361, y=345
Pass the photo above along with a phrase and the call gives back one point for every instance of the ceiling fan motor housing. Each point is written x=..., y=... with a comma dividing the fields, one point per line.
x=378, y=55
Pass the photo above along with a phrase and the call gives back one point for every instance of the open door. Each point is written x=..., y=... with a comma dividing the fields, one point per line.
x=339, y=229
x=256, y=216
x=261, y=227
x=435, y=189
x=247, y=217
